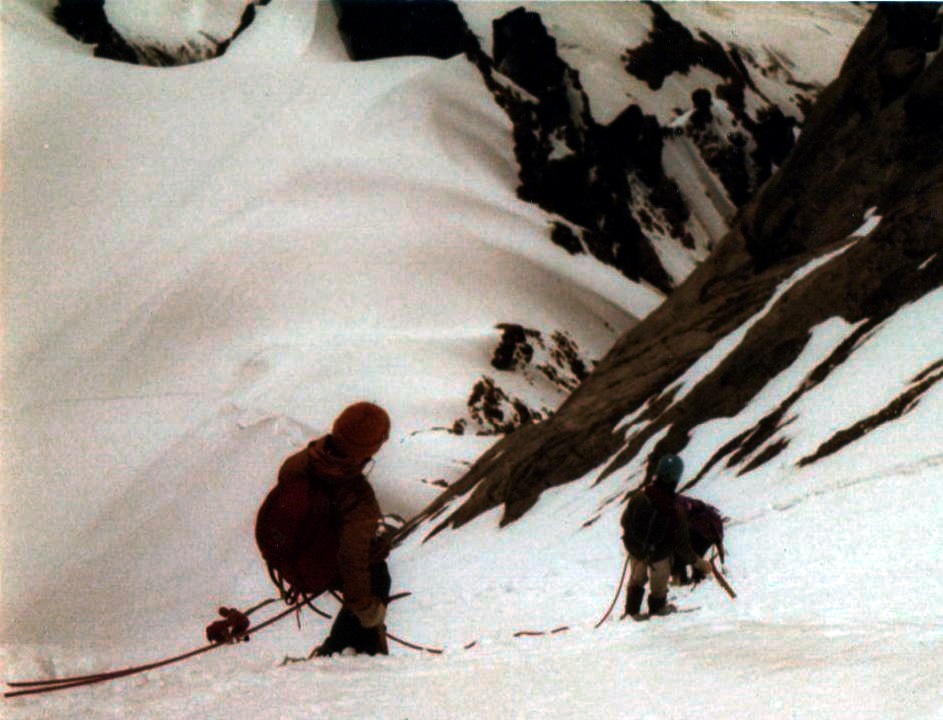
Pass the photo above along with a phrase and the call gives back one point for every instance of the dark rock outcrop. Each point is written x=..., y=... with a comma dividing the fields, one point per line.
x=672, y=48
x=744, y=151
x=572, y=166
x=87, y=22
x=872, y=140
x=373, y=29
x=524, y=51
x=558, y=114
x=881, y=148
x=555, y=363
x=607, y=181
x=901, y=405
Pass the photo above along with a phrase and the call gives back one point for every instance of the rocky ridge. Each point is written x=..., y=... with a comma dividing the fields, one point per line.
x=606, y=185
x=871, y=141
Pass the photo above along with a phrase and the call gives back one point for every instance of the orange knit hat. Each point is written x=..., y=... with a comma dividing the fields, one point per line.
x=360, y=430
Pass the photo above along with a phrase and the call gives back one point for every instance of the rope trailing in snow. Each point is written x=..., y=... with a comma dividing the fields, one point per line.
x=615, y=598
x=413, y=646
x=541, y=633
x=563, y=628
x=34, y=687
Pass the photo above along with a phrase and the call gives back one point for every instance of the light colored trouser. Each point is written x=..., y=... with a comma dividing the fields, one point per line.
x=657, y=572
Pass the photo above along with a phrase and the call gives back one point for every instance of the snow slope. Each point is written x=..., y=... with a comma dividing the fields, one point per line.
x=203, y=265
x=284, y=241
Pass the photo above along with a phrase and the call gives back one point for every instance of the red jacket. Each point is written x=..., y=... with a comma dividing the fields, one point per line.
x=317, y=526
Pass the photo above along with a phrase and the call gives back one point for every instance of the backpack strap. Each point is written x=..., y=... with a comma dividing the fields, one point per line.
x=648, y=547
x=285, y=591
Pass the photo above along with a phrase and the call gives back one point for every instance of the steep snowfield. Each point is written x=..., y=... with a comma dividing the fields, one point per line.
x=202, y=265
x=323, y=232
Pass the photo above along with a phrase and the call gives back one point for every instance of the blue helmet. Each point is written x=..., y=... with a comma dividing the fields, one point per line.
x=668, y=471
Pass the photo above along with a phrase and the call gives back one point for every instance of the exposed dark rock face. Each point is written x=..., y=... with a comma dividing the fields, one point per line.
x=495, y=412
x=872, y=140
x=901, y=405
x=374, y=29
x=524, y=349
x=608, y=182
x=672, y=48
x=84, y=20
x=555, y=363
x=853, y=127
x=87, y=22
x=572, y=166
x=524, y=51
x=740, y=148
x=516, y=348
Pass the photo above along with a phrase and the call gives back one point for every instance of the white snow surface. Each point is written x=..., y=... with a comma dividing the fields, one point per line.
x=203, y=265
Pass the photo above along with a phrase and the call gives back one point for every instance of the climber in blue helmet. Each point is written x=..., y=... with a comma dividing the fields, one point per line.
x=655, y=529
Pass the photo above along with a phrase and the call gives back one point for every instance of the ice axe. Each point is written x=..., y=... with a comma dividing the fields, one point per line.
x=721, y=580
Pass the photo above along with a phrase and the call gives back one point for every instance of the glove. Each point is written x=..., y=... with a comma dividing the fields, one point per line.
x=373, y=615
x=703, y=566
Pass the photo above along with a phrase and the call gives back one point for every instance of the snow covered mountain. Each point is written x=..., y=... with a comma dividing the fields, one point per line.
x=852, y=199
x=596, y=216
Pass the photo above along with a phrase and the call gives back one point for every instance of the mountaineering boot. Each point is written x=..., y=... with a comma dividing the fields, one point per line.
x=325, y=649
x=658, y=605
x=633, y=600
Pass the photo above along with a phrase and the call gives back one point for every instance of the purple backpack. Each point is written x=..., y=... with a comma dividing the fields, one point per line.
x=704, y=520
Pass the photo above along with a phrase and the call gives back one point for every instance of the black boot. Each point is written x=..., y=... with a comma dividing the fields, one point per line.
x=633, y=600
x=679, y=572
x=325, y=649
x=657, y=605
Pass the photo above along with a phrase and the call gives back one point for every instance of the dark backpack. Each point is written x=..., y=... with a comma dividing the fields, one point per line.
x=705, y=525
x=646, y=532
x=297, y=534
